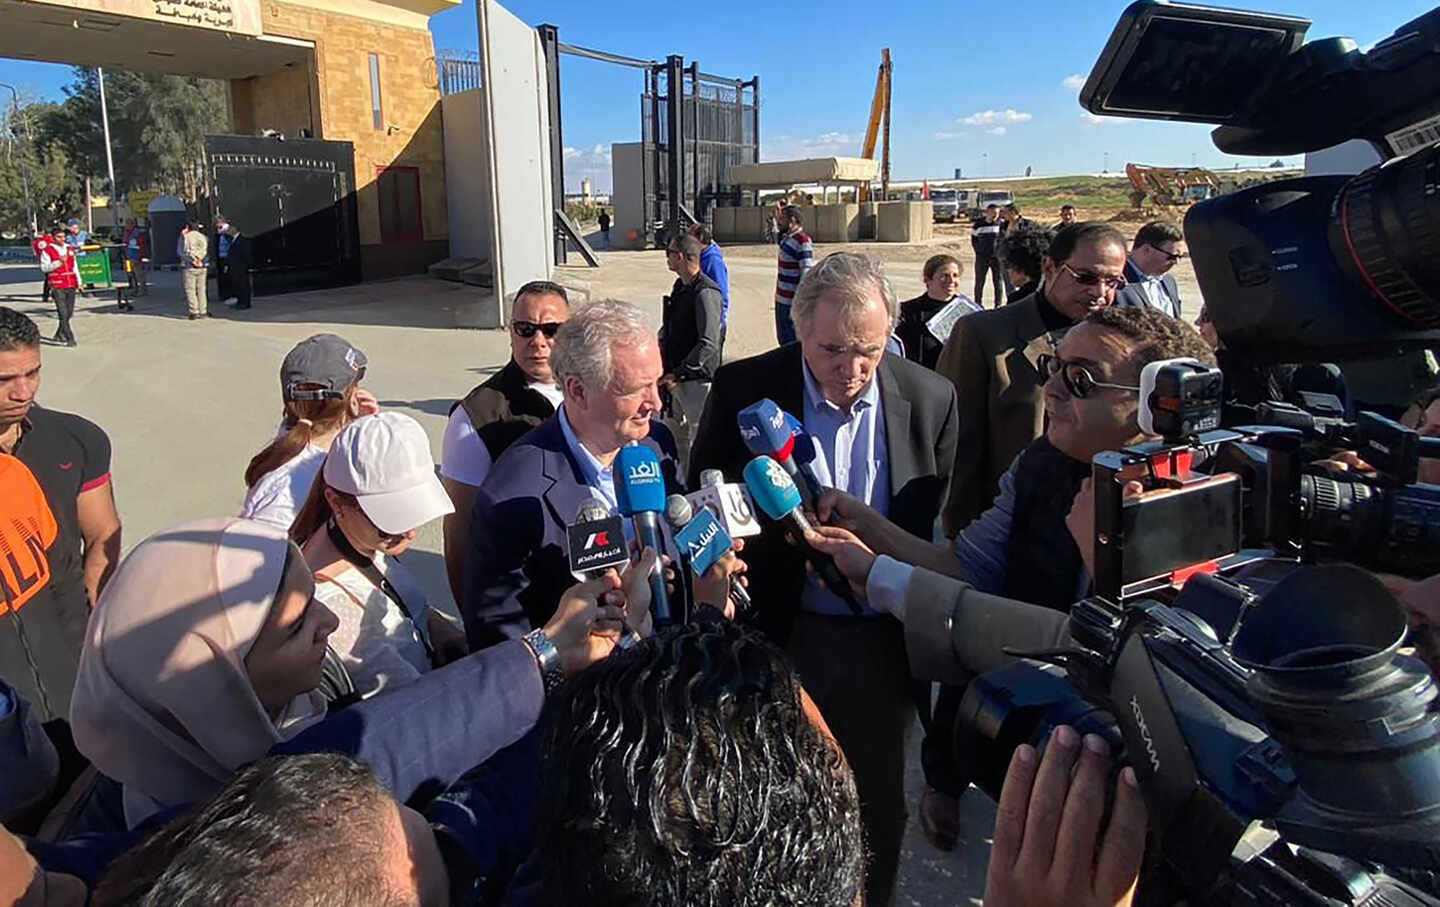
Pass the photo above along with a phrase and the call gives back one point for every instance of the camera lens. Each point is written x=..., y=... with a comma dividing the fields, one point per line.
x=1386, y=234
x=1355, y=719
x=1341, y=515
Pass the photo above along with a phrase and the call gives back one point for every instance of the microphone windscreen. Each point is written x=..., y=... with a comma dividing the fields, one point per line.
x=709, y=477
x=678, y=510
x=764, y=429
x=639, y=486
x=772, y=490
x=592, y=509
x=804, y=447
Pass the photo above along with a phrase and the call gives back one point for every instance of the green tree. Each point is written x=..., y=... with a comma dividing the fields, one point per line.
x=57, y=190
x=157, y=128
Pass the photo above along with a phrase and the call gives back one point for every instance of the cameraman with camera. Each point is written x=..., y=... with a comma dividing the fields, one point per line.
x=1023, y=547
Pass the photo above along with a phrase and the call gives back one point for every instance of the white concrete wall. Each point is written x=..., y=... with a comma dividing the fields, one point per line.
x=517, y=146
x=467, y=187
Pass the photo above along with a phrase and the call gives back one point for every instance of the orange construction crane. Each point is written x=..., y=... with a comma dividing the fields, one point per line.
x=879, y=113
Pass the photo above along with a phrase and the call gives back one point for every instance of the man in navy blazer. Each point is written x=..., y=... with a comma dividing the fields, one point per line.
x=1158, y=246
x=607, y=363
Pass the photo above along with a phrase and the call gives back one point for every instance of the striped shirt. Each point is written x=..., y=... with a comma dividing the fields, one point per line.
x=796, y=256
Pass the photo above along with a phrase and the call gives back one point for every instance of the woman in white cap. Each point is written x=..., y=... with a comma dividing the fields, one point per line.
x=378, y=486
x=320, y=384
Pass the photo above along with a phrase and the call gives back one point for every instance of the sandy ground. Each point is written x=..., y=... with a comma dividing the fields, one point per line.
x=187, y=404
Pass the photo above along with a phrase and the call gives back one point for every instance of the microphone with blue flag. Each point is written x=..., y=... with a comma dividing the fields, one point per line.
x=778, y=498
x=766, y=430
x=640, y=496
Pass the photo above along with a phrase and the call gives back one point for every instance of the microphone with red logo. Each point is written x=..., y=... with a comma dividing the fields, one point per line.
x=766, y=431
x=596, y=541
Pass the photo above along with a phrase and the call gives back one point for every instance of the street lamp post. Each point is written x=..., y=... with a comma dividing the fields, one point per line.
x=24, y=168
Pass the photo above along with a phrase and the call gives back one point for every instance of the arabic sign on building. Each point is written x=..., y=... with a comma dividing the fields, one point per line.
x=241, y=16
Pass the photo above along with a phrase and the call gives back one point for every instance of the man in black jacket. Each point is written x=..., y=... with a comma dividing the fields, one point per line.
x=885, y=430
x=984, y=234
x=237, y=266
x=691, y=339
x=498, y=412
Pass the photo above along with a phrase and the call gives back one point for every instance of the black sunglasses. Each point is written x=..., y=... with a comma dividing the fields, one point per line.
x=527, y=329
x=1077, y=378
x=1090, y=279
x=1171, y=257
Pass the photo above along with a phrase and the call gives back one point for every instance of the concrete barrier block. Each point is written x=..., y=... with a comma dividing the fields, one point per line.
x=750, y=224
x=723, y=224
x=836, y=223
x=904, y=221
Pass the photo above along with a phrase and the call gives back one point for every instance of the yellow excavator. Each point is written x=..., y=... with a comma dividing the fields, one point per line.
x=879, y=117
x=1171, y=185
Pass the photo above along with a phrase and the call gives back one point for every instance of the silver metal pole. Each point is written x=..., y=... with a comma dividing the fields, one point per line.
x=109, y=158
x=24, y=168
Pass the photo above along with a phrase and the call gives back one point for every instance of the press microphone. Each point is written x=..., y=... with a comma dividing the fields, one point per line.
x=596, y=540
x=804, y=455
x=775, y=493
x=730, y=501
x=765, y=429
x=702, y=541
x=640, y=495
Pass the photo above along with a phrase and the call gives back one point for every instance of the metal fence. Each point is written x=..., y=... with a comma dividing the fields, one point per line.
x=457, y=70
x=718, y=124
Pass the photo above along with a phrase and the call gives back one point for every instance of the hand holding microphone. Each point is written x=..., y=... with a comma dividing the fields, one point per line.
x=775, y=494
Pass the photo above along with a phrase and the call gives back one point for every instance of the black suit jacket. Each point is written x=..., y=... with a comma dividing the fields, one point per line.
x=920, y=430
x=519, y=559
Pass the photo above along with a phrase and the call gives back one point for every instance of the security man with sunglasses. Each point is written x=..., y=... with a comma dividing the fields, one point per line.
x=1157, y=248
x=1026, y=546
x=495, y=414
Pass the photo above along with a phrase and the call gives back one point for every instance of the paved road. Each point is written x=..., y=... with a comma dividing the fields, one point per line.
x=187, y=404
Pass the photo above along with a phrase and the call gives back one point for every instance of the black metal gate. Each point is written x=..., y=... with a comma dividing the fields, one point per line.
x=719, y=125
x=295, y=199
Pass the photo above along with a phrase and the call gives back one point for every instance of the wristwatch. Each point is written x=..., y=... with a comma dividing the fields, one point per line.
x=547, y=658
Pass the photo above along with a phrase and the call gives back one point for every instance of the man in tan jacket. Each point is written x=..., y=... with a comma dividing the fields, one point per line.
x=991, y=357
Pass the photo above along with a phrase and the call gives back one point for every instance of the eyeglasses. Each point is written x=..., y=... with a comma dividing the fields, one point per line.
x=1171, y=257
x=1089, y=279
x=527, y=329
x=1077, y=378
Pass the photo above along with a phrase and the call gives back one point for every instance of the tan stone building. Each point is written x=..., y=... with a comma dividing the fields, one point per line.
x=360, y=71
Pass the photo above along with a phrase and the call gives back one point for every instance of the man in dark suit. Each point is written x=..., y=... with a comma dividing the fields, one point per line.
x=885, y=432
x=1158, y=246
x=607, y=362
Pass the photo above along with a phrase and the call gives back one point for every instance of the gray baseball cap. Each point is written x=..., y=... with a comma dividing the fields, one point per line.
x=321, y=367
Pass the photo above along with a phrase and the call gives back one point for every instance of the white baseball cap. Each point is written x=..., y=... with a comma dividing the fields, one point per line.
x=384, y=461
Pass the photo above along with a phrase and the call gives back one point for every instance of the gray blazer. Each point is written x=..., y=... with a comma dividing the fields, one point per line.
x=1134, y=296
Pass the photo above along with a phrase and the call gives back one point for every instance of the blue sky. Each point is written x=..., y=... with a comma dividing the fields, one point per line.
x=817, y=74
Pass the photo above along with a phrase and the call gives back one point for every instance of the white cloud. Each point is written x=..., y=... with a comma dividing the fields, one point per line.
x=992, y=117
x=998, y=130
x=946, y=136
x=1090, y=119
x=1073, y=82
x=827, y=139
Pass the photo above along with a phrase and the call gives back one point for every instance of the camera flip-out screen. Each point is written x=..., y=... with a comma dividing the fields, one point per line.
x=1186, y=62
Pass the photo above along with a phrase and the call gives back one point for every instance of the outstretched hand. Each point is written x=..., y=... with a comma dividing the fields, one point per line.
x=1048, y=825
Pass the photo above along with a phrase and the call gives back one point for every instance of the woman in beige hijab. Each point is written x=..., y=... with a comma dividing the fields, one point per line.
x=205, y=650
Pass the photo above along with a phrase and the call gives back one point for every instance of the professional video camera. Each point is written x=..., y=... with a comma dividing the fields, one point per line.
x=1315, y=268
x=1287, y=752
